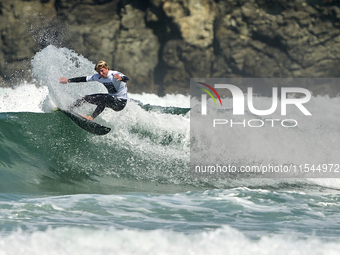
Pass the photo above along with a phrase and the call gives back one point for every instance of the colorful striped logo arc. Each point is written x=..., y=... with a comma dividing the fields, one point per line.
x=208, y=86
x=208, y=92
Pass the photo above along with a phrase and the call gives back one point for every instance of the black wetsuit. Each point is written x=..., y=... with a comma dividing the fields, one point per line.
x=116, y=98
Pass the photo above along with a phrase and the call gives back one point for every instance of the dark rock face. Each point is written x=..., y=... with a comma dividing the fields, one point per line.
x=280, y=42
x=160, y=44
x=21, y=23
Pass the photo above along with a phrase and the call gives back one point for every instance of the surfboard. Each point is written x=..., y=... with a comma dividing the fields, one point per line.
x=90, y=126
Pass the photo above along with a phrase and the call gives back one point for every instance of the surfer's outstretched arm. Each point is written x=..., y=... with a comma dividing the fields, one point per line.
x=77, y=79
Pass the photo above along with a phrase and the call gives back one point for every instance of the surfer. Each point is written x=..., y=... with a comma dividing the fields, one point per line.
x=115, y=83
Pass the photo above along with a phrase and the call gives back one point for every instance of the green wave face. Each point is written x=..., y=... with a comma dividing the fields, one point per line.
x=48, y=152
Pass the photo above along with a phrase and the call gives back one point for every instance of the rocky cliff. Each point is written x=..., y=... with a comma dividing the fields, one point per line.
x=160, y=44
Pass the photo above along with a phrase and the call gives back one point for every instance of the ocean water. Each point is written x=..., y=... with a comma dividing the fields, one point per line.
x=65, y=191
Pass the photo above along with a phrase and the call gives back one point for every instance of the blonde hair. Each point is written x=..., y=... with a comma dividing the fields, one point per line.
x=101, y=64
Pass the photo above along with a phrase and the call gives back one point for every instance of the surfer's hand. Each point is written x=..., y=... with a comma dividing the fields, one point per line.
x=63, y=80
x=118, y=77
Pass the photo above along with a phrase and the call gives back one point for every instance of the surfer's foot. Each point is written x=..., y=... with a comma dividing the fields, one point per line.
x=88, y=117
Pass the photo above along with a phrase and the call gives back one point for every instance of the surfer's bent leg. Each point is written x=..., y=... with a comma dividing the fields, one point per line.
x=99, y=100
x=116, y=104
x=107, y=100
x=102, y=101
